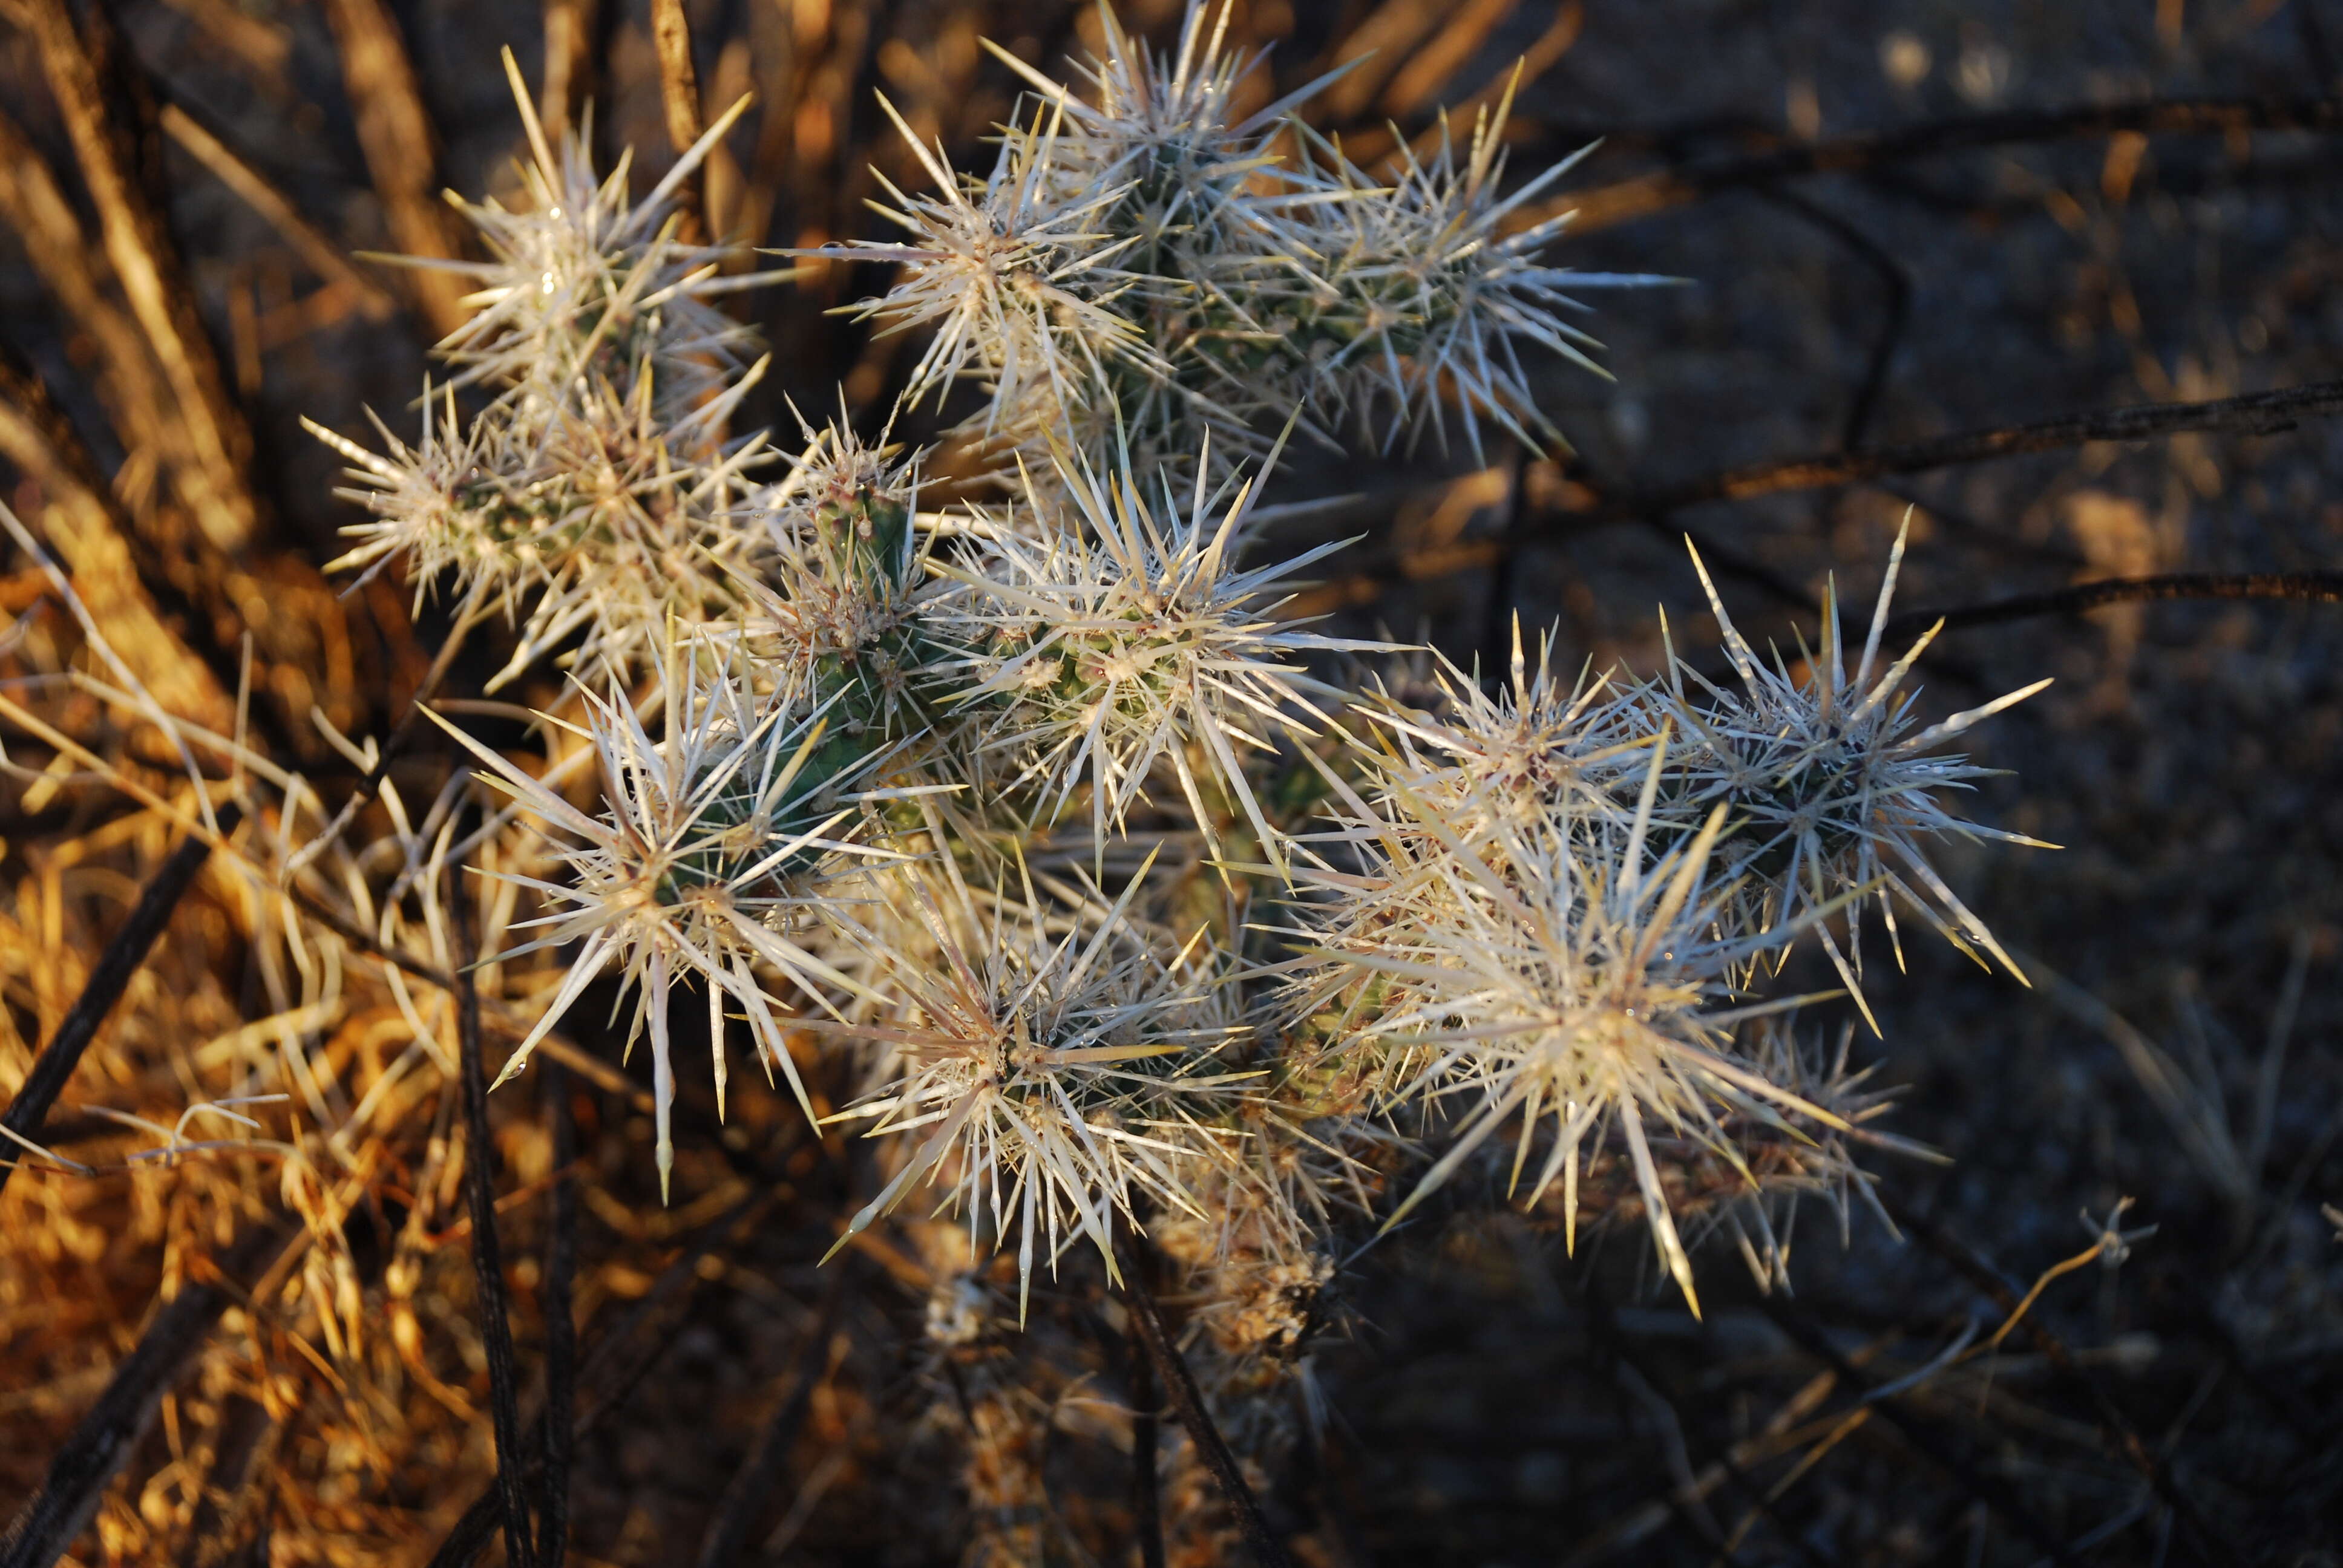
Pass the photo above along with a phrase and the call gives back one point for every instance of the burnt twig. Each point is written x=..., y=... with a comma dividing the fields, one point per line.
x=1647, y=194
x=107, y=980
x=488, y=1261
x=2317, y=587
x=560, y=1328
x=2254, y=414
x=85, y=1465
x=1187, y=1405
x=1146, y=1502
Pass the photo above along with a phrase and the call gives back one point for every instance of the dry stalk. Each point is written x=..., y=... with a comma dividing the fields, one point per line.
x=401, y=153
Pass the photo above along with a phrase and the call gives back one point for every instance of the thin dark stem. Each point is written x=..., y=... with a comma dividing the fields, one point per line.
x=1146, y=1505
x=488, y=1261
x=122, y=959
x=750, y=1489
x=1892, y=276
x=100, y=1443
x=1187, y=1405
x=560, y=1328
x=2316, y=587
x=1846, y=155
x=1992, y=1491
x=1497, y=614
x=2254, y=414
x=609, y=1375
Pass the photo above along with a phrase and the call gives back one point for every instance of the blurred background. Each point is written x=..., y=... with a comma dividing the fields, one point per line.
x=1897, y=221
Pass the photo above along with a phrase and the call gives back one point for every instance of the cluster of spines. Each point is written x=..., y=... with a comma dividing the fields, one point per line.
x=1152, y=263
x=592, y=498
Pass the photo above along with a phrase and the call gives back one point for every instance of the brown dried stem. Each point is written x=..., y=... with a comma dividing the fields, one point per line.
x=569, y=58
x=129, y=385
x=326, y=257
x=79, y=518
x=100, y=97
x=679, y=96
x=401, y=152
x=294, y=621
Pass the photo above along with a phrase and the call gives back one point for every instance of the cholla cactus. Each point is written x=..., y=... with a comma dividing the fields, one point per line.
x=1015, y=279
x=844, y=607
x=1830, y=778
x=594, y=489
x=1126, y=642
x=1543, y=918
x=1149, y=258
x=585, y=510
x=709, y=847
x=459, y=503
x=586, y=284
x=1064, y=1071
x=1784, y=1161
x=1573, y=975
x=1164, y=137
x=1415, y=296
x=1558, y=902
x=1532, y=748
